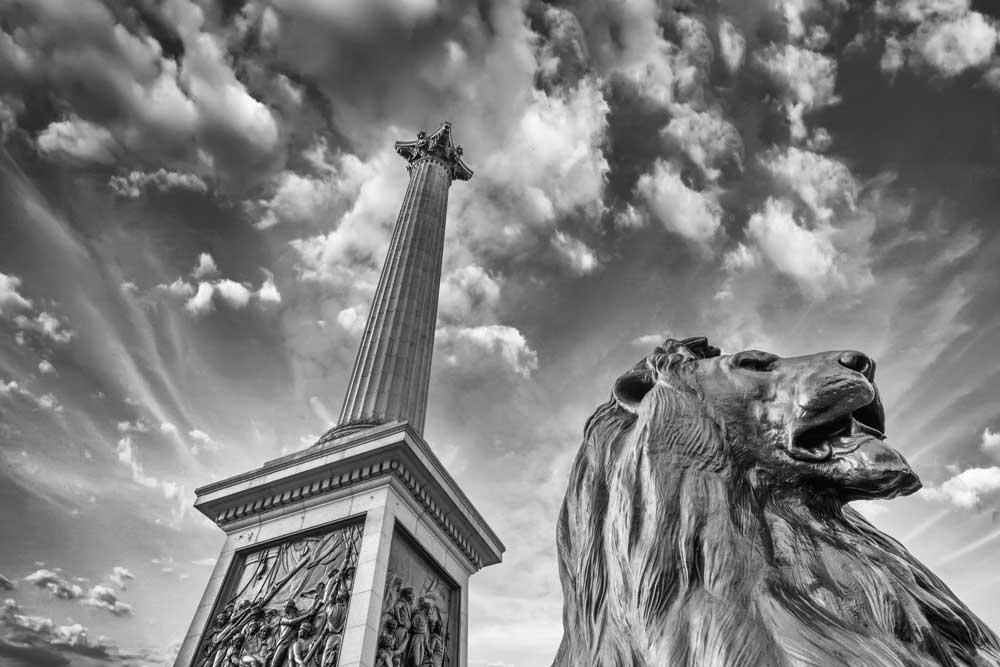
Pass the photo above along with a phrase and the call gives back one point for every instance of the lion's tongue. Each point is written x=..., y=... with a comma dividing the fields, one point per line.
x=822, y=449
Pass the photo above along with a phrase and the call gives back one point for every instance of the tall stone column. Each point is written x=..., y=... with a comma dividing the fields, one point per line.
x=341, y=538
x=392, y=370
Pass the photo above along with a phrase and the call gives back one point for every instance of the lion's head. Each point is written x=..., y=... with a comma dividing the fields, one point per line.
x=705, y=523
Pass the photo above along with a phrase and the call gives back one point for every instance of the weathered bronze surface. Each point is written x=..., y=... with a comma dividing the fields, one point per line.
x=415, y=629
x=286, y=604
x=706, y=524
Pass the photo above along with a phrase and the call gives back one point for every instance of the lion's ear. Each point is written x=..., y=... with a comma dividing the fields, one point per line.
x=632, y=387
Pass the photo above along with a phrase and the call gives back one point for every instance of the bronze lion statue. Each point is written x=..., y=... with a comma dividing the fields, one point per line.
x=706, y=524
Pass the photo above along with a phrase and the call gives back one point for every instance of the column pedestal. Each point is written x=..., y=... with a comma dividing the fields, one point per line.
x=368, y=538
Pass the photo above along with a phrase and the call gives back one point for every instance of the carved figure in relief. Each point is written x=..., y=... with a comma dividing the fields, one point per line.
x=304, y=647
x=416, y=648
x=401, y=613
x=255, y=645
x=436, y=645
x=335, y=602
x=287, y=631
x=707, y=522
x=386, y=649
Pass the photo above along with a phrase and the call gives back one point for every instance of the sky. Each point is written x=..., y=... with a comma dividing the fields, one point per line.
x=196, y=197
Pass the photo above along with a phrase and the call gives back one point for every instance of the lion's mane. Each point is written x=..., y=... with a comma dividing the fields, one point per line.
x=701, y=565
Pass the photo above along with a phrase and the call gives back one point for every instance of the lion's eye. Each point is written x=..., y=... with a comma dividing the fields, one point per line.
x=755, y=360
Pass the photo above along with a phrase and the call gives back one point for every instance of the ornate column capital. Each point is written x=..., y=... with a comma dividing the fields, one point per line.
x=439, y=147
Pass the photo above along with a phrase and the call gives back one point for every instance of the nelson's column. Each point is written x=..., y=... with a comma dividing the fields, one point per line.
x=358, y=550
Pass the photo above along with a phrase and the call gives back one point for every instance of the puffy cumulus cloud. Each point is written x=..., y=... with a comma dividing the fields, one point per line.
x=551, y=163
x=204, y=267
x=347, y=256
x=708, y=140
x=185, y=109
x=942, y=36
x=352, y=319
x=316, y=195
x=10, y=298
x=824, y=185
x=104, y=597
x=202, y=296
x=119, y=575
x=47, y=325
x=694, y=215
x=918, y=11
x=732, y=46
x=10, y=388
x=804, y=79
x=55, y=584
x=203, y=442
x=575, y=254
x=807, y=255
x=20, y=310
x=649, y=340
x=952, y=47
x=468, y=295
x=78, y=142
x=45, y=367
x=471, y=348
x=135, y=183
x=967, y=488
x=990, y=441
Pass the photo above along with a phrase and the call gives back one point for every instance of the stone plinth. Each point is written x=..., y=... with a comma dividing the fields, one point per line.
x=365, y=535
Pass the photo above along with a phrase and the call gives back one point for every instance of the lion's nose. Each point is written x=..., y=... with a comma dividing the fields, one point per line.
x=858, y=361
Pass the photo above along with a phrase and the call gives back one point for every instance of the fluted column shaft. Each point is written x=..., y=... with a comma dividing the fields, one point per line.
x=392, y=371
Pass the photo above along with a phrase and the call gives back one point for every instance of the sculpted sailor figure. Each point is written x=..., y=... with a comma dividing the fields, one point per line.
x=707, y=522
x=287, y=631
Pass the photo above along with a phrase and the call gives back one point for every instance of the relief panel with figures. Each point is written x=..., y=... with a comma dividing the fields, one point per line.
x=418, y=626
x=285, y=605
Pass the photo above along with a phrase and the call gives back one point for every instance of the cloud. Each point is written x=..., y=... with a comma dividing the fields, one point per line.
x=732, y=46
x=135, y=183
x=6, y=584
x=104, y=597
x=10, y=297
x=806, y=255
x=119, y=575
x=825, y=185
x=78, y=142
x=46, y=401
x=805, y=80
x=649, y=340
x=469, y=347
x=709, y=141
x=952, y=47
x=201, y=296
x=468, y=295
x=47, y=325
x=126, y=453
x=580, y=259
x=45, y=367
x=203, y=442
x=694, y=215
x=205, y=267
x=967, y=488
x=55, y=584
x=990, y=441
x=940, y=36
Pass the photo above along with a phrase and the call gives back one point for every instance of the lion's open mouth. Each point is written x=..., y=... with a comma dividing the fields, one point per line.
x=840, y=435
